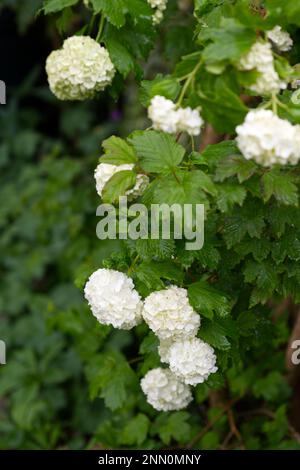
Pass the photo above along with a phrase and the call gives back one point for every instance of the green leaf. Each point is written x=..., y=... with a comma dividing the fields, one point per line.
x=280, y=186
x=118, y=152
x=139, y=8
x=118, y=185
x=149, y=249
x=284, y=12
x=157, y=152
x=271, y=387
x=119, y=54
x=52, y=6
x=136, y=430
x=179, y=188
x=247, y=219
x=214, y=333
x=230, y=41
x=166, y=86
x=263, y=275
x=216, y=153
x=172, y=426
x=221, y=102
x=114, y=10
x=109, y=376
x=208, y=300
x=229, y=195
x=235, y=165
x=259, y=248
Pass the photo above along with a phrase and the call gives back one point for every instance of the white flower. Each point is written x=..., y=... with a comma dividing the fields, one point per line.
x=113, y=299
x=189, y=120
x=157, y=17
x=80, y=69
x=268, y=140
x=160, y=4
x=164, y=391
x=163, y=114
x=192, y=360
x=105, y=171
x=167, y=118
x=169, y=314
x=260, y=58
x=281, y=39
x=295, y=84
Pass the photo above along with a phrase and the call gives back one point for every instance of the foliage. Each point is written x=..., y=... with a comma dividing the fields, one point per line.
x=71, y=382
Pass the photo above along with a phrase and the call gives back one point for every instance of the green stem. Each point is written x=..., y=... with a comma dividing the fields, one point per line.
x=101, y=26
x=130, y=269
x=190, y=79
x=274, y=103
x=92, y=22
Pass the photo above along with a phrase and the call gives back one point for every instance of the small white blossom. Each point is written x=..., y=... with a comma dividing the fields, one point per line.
x=192, y=360
x=113, y=299
x=163, y=114
x=80, y=69
x=105, y=171
x=268, y=140
x=295, y=84
x=260, y=58
x=158, y=16
x=189, y=120
x=281, y=39
x=167, y=118
x=164, y=391
x=159, y=6
x=169, y=314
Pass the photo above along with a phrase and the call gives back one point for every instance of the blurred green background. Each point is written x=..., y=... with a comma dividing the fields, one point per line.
x=48, y=152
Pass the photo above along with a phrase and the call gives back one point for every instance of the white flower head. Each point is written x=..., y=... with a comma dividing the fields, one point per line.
x=167, y=118
x=260, y=58
x=105, y=171
x=80, y=69
x=192, y=360
x=268, y=140
x=164, y=391
x=169, y=314
x=113, y=299
x=163, y=114
x=281, y=39
x=189, y=120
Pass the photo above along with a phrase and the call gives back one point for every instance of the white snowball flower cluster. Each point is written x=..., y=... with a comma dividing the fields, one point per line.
x=164, y=391
x=163, y=115
x=170, y=315
x=113, y=299
x=192, y=360
x=159, y=6
x=260, y=58
x=268, y=140
x=167, y=118
x=105, y=171
x=80, y=69
x=281, y=39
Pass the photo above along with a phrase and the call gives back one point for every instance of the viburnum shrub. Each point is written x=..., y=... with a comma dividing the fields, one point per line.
x=223, y=131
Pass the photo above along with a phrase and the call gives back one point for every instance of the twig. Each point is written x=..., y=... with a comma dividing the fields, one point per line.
x=211, y=423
